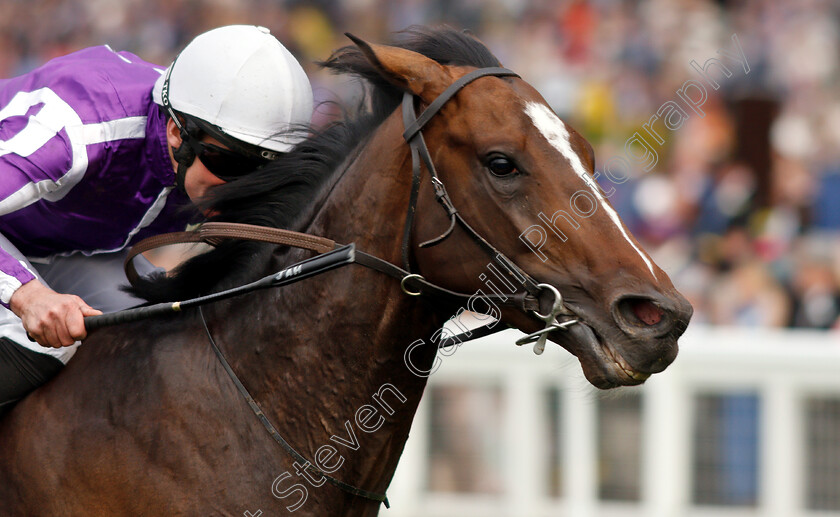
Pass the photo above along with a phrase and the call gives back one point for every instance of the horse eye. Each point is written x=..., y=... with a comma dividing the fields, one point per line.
x=501, y=166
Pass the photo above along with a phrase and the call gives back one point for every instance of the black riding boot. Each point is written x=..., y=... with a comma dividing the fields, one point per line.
x=21, y=371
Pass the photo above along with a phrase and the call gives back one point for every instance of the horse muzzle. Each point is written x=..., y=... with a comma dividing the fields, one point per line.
x=625, y=345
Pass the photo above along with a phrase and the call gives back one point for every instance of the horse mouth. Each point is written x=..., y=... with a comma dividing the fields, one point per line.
x=628, y=370
x=603, y=366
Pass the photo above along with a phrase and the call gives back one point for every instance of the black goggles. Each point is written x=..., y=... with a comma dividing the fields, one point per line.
x=223, y=163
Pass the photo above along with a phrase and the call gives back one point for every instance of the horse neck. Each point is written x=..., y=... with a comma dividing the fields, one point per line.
x=349, y=330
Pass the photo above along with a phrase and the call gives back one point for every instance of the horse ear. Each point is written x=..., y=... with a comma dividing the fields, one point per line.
x=407, y=70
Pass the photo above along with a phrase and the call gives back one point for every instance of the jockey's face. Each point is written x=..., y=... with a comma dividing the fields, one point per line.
x=198, y=178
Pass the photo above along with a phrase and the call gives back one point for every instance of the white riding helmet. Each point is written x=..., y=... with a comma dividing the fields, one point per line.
x=243, y=81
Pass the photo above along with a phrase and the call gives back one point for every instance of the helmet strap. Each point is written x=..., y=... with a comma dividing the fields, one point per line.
x=184, y=156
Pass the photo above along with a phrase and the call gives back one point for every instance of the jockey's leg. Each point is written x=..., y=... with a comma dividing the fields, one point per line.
x=24, y=364
x=22, y=370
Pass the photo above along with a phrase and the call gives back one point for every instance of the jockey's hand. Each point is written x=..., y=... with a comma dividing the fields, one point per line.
x=51, y=318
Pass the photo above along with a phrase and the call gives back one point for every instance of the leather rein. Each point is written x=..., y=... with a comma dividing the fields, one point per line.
x=532, y=300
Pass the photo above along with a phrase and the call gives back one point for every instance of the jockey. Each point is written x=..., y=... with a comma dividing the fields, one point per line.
x=98, y=150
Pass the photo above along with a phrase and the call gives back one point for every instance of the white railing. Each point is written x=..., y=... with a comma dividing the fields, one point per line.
x=781, y=367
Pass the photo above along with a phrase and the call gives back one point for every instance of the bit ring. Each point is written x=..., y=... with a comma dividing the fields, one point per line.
x=556, y=308
x=405, y=289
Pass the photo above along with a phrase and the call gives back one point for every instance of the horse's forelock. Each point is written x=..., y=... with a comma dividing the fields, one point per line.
x=445, y=45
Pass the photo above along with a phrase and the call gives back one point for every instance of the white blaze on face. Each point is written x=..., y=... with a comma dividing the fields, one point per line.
x=554, y=130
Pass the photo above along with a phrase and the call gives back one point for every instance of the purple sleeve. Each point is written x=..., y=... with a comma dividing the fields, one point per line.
x=20, y=178
x=38, y=160
x=13, y=274
x=34, y=164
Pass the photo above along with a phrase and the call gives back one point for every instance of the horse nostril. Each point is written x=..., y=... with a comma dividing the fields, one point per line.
x=646, y=311
x=640, y=313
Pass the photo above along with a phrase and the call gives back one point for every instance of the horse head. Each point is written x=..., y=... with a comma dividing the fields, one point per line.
x=524, y=181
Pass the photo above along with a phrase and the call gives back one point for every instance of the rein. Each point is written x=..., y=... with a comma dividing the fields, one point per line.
x=334, y=255
x=215, y=232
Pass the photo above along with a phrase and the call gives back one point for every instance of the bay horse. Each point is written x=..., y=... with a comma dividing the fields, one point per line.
x=146, y=421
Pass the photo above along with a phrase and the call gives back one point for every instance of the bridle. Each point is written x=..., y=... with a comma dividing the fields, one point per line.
x=532, y=300
x=413, y=135
x=534, y=291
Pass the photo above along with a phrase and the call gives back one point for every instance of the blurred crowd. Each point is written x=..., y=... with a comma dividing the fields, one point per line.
x=743, y=206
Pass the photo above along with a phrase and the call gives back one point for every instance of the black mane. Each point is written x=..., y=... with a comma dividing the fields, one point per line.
x=285, y=193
